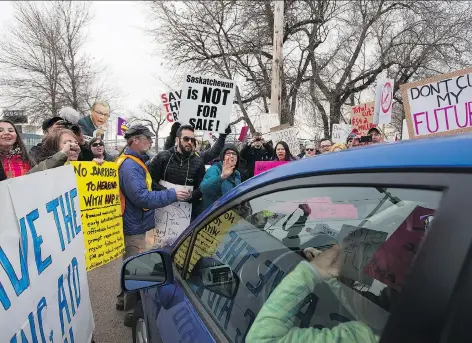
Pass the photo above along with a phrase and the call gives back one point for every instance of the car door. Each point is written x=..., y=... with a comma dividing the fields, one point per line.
x=260, y=235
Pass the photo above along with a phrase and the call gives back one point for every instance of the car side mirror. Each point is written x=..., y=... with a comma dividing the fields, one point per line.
x=149, y=269
x=219, y=278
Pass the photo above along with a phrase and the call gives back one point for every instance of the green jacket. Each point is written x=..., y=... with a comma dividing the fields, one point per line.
x=56, y=160
x=275, y=321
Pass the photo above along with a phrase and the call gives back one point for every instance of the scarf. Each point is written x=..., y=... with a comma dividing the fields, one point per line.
x=10, y=153
x=13, y=163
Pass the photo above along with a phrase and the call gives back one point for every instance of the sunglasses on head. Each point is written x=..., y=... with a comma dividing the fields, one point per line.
x=189, y=139
x=97, y=144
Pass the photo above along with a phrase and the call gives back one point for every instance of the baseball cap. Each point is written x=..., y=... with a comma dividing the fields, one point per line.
x=374, y=129
x=138, y=129
x=47, y=123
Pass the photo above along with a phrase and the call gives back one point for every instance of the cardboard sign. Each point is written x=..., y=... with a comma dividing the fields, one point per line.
x=383, y=102
x=207, y=103
x=171, y=102
x=340, y=133
x=122, y=126
x=391, y=263
x=262, y=166
x=439, y=106
x=362, y=117
x=100, y=208
x=289, y=136
x=243, y=133
x=173, y=219
x=43, y=282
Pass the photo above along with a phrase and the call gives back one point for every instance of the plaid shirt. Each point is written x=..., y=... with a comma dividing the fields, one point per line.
x=14, y=166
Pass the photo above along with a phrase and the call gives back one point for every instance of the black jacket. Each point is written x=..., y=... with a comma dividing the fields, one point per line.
x=252, y=155
x=171, y=166
x=208, y=155
x=35, y=152
x=3, y=176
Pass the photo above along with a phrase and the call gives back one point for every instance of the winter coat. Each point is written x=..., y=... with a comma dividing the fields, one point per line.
x=56, y=160
x=207, y=155
x=252, y=155
x=35, y=152
x=171, y=166
x=274, y=322
x=138, y=197
x=213, y=187
x=3, y=176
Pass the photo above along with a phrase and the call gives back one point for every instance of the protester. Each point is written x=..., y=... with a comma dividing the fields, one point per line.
x=337, y=147
x=94, y=124
x=138, y=201
x=376, y=135
x=282, y=152
x=310, y=150
x=180, y=165
x=97, y=146
x=352, y=140
x=206, y=152
x=58, y=149
x=325, y=144
x=13, y=154
x=256, y=150
x=221, y=177
x=49, y=125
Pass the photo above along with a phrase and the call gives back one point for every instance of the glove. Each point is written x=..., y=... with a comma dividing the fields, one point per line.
x=174, y=128
x=228, y=130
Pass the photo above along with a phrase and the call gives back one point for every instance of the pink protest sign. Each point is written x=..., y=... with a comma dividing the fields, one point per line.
x=327, y=211
x=392, y=261
x=262, y=166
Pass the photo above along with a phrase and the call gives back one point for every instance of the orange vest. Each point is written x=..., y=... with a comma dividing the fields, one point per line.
x=119, y=161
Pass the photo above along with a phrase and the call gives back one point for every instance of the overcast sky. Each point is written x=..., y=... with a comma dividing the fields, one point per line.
x=117, y=40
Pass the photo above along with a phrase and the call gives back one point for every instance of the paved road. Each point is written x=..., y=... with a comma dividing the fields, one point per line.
x=103, y=284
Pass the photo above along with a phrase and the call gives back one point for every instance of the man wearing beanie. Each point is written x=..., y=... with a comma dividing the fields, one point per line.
x=221, y=177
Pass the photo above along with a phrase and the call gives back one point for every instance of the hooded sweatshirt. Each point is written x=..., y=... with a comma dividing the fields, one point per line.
x=213, y=186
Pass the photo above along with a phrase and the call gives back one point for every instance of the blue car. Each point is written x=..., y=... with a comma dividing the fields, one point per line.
x=398, y=213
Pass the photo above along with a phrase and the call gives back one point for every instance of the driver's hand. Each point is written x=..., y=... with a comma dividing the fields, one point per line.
x=326, y=262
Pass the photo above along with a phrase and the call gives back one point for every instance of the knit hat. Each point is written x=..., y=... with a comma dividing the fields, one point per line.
x=230, y=147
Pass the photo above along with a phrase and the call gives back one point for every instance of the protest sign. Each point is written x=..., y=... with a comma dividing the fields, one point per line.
x=210, y=137
x=122, y=126
x=171, y=102
x=289, y=136
x=207, y=103
x=383, y=102
x=243, y=133
x=262, y=166
x=438, y=106
x=43, y=282
x=100, y=207
x=362, y=117
x=405, y=134
x=173, y=219
x=268, y=121
x=340, y=133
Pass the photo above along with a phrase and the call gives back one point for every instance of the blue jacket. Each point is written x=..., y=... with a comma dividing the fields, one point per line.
x=133, y=185
x=213, y=187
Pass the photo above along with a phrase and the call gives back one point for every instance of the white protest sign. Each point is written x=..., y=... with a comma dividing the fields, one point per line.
x=173, y=219
x=289, y=136
x=268, y=121
x=438, y=106
x=405, y=134
x=44, y=295
x=383, y=102
x=210, y=137
x=171, y=102
x=340, y=133
x=206, y=103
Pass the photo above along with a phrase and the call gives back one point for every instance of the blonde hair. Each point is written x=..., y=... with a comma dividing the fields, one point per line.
x=335, y=146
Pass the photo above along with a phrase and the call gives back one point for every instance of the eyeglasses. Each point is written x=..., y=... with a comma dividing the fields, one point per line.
x=232, y=153
x=326, y=146
x=189, y=139
x=101, y=113
x=98, y=144
x=309, y=149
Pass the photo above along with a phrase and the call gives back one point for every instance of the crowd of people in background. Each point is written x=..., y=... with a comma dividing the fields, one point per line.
x=201, y=173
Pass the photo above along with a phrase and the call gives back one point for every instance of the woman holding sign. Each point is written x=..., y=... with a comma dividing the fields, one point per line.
x=221, y=177
x=282, y=152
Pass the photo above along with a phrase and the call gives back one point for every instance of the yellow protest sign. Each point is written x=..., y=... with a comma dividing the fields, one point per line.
x=100, y=210
x=208, y=239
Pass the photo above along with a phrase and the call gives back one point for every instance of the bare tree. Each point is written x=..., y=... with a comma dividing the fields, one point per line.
x=152, y=116
x=43, y=65
x=334, y=51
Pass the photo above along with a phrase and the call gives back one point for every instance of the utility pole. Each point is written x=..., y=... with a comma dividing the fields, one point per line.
x=277, y=52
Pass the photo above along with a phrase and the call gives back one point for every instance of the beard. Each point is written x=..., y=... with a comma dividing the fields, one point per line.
x=185, y=152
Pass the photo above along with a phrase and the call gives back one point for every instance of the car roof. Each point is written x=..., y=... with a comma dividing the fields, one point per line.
x=452, y=152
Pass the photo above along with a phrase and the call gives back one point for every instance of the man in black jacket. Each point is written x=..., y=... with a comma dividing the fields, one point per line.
x=180, y=165
x=206, y=155
x=256, y=150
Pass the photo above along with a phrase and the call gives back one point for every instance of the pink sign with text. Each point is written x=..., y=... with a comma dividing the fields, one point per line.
x=262, y=166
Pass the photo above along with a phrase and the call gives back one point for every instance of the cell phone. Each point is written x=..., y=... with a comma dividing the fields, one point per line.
x=365, y=139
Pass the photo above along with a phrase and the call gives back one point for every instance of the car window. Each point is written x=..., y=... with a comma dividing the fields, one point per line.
x=242, y=256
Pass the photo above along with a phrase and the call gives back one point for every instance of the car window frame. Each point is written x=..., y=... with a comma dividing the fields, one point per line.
x=450, y=186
